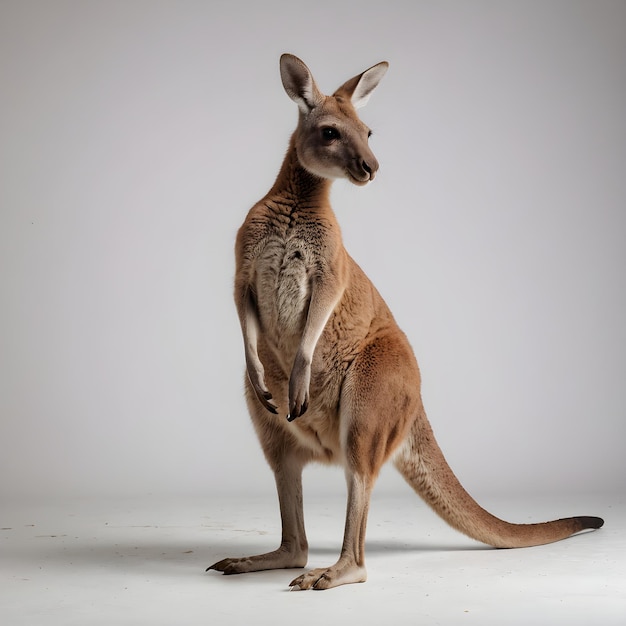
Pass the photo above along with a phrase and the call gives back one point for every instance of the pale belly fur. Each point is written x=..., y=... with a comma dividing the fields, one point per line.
x=283, y=294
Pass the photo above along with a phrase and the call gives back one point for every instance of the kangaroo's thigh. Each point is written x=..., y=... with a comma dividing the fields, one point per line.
x=380, y=400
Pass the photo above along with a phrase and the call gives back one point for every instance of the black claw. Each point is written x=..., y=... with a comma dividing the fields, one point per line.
x=297, y=410
x=265, y=397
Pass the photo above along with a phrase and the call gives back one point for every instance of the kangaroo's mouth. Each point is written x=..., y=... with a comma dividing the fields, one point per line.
x=360, y=178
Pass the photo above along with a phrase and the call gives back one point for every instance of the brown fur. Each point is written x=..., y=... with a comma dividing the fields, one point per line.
x=322, y=346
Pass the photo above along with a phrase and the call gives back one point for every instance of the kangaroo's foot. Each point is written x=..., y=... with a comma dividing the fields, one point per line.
x=345, y=571
x=283, y=558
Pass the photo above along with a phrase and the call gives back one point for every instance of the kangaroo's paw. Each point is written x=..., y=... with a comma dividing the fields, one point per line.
x=278, y=559
x=328, y=577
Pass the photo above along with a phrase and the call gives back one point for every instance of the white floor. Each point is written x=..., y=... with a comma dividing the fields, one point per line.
x=142, y=562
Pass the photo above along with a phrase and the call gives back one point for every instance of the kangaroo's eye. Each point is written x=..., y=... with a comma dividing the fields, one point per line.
x=329, y=133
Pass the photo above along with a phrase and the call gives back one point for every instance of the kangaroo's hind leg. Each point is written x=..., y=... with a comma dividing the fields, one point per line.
x=287, y=460
x=379, y=402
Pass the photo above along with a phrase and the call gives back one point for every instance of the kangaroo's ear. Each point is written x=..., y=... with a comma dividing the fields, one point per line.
x=360, y=88
x=299, y=84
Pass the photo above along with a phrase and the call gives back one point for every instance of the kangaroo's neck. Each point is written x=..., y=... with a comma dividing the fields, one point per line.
x=296, y=188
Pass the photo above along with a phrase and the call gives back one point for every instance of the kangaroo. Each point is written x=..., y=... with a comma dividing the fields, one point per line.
x=330, y=376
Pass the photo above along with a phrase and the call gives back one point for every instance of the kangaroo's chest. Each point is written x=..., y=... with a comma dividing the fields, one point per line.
x=283, y=286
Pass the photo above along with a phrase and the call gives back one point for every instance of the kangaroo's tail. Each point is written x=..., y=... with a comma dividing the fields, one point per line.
x=424, y=467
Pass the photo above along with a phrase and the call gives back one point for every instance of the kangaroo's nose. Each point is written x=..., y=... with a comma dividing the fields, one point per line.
x=370, y=166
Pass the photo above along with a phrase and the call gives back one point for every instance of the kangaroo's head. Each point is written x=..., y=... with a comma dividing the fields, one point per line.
x=331, y=141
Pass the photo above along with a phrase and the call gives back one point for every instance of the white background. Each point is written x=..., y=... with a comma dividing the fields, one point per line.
x=134, y=136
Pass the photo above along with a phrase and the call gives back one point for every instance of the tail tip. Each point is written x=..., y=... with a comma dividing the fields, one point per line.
x=591, y=522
